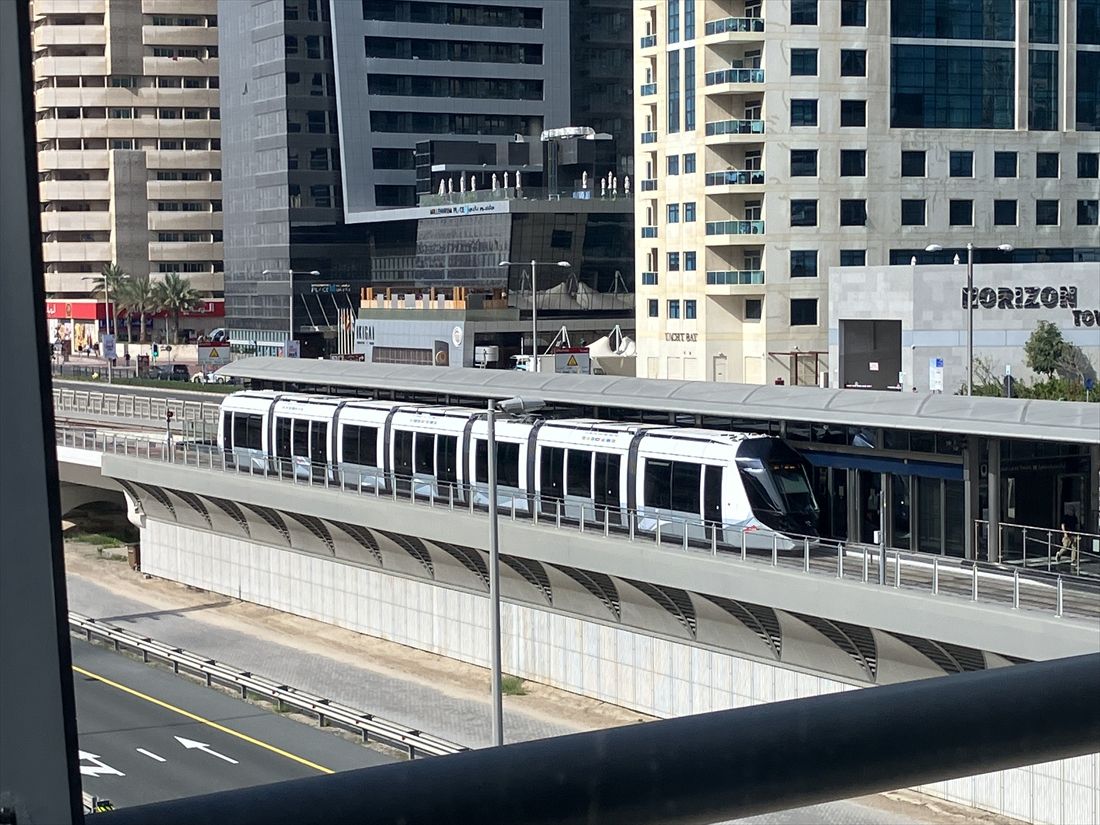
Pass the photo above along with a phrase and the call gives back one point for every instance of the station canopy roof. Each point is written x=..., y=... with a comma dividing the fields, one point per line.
x=1064, y=421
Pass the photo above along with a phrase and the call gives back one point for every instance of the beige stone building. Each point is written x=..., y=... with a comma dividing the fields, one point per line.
x=777, y=139
x=129, y=140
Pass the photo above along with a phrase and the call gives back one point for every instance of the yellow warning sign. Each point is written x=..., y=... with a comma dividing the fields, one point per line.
x=572, y=362
x=213, y=353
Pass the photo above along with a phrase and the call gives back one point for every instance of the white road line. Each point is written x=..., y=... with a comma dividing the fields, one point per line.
x=151, y=755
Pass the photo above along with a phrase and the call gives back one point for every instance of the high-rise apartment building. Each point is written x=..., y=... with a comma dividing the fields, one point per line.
x=777, y=139
x=129, y=140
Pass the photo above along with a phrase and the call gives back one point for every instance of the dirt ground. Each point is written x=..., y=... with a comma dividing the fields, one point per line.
x=107, y=568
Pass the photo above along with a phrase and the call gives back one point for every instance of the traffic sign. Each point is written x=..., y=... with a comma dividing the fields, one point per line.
x=213, y=355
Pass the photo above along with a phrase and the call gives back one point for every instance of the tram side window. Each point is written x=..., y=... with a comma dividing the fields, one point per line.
x=658, y=478
x=301, y=438
x=578, y=476
x=552, y=471
x=247, y=431
x=446, y=461
x=402, y=452
x=282, y=437
x=425, y=453
x=361, y=445
x=712, y=493
x=607, y=479
x=227, y=430
x=481, y=461
x=507, y=464
x=318, y=442
x=685, y=486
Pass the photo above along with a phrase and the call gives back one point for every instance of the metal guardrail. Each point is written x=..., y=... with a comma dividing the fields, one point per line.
x=135, y=407
x=414, y=742
x=1014, y=588
x=1049, y=548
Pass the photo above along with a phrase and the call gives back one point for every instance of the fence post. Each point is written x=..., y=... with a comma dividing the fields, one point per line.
x=865, y=554
x=775, y=550
x=607, y=521
x=1050, y=547
x=974, y=584
x=806, y=554
x=1059, y=605
x=557, y=520
x=714, y=539
x=744, y=545
x=897, y=569
x=1016, y=589
x=684, y=545
x=582, y=518
x=935, y=575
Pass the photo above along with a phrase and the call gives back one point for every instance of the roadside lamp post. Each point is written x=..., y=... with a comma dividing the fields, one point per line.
x=535, y=304
x=290, y=273
x=935, y=247
x=107, y=300
x=511, y=406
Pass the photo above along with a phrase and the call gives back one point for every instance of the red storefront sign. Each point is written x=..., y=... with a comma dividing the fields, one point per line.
x=77, y=310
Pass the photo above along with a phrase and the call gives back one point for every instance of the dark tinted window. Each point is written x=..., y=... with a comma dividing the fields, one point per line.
x=803, y=312
x=1046, y=164
x=247, y=432
x=1042, y=101
x=1046, y=213
x=853, y=212
x=607, y=479
x=952, y=87
x=425, y=453
x=803, y=62
x=403, y=452
x=853, y=257
x=853, y=113
x=912, y=164
x=301, y=438
x=658, y=477
x=507, y=464
x=1088, y=164
x=803, y=12
x=853, y=163
x=853, y=62
x=685, y=487
x=1004, y=164
x=754, y=309
x=953, y=19
x=578, y=480
x=282, y=437
x=803, y=163
x=912, y=213
x=803, y=213
x=961, y=213
x=803, y=263
x=552, y=471
x=803, y=112
x=961, y=164
x=853, y=12
x=1088, y=212
x=712, y=493
x=318, y=442
x=1004, y=213
x=446, y=457
x=360, y=445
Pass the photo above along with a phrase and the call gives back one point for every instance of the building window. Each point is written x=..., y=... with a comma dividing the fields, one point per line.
x=853, y=63
x=689, y=19
x=674, y=213
x=1043, y=21
x=674, y=309
x=1046, y=164
x=912, y=164
x=673, y=21
x=689, y=309
x=803, y=112
x=1088, y=95
x=853, y=212
x=689, y=163
x=803, y=312
x=912, y=213
x=689, y=212
x=649, y=279
x=803, y=62
x=1088, y=164
x=803, y=213
x=803, y=263
x=673, y=89
x=1004, y=213
x=674, y=164
x=689, y=261
x=853, y=163
x=803, y=12
x=961, y=164
x=853, y=113
x=853, y=12
x=1004, y=164
x=853, y=257
x=1088, y=213
x=673, y=261
x=1042, y=101
x=950, y=87
x=689, y=86
x=1046, y=213
x=961, y=213
x=803, y=163
x=653, y=304
x=754, y=309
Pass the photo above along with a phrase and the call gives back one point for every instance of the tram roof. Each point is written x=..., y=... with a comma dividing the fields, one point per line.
x=1065, y=421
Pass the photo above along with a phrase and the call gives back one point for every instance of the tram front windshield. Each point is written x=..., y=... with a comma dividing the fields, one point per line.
x=777, y=486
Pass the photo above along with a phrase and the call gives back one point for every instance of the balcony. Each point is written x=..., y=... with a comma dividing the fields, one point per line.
x=185, y=251
x=649, y=41
x=649, y=279
x=734, y=127
x=649, y=137
x=649, y=232
x=736, y=177
x=78, y=252
x=735, y=25
x=734, y=75
x=735, y=227
x=74, y=190
x=99, y=221
x=735, y=277
x=649, y=185
x=649, y=89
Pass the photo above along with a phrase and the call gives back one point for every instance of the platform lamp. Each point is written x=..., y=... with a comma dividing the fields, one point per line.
x=935, y=247
x=510, y=406
x=535, y=304
x=290, y=272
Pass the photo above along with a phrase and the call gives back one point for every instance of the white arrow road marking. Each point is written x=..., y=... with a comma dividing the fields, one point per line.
x=151, y=755
x=202, y=746
x=100, y=768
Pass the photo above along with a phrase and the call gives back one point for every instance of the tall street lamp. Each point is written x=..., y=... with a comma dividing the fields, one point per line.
x=535, y=304
x=290, y=272
x=935, y=247
x=511, y=406
x=107, y=300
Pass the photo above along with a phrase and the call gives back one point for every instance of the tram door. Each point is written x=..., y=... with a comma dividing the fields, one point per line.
x=870, y=505
x=831, y=490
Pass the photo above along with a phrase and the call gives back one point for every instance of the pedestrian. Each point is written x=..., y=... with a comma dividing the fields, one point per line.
x=1071, y=539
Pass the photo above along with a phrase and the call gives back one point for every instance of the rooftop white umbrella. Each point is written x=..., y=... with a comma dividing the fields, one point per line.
x=584, y=180
x=450, y=185
x=495, y=181
x=505, y=180
x=615, y=185
x=626, y=184
x=519, y=182
x=603, y=188
x=473, y=183
x=442, y=186
x=462, y=183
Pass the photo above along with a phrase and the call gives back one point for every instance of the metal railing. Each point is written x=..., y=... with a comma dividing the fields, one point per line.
x=649, y=137
x=327, y=712
x=735, y=177
x=734, y=127
x=134, y=406
x=1048, y=548
x=735, y=227
x=648, y=89
x=734, y=75
x=1017, y=588
x=647, y=41
x=735, y=277
x=734, y=24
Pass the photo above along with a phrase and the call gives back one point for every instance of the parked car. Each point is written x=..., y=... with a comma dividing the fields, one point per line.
x=207, y=378
x=175, y=372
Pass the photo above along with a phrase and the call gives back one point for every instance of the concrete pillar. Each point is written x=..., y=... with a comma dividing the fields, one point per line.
x=993, y=479
x=971, y=481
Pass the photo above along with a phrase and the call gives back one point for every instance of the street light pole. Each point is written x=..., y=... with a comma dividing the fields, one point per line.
x=290, y=317
x=494, y=581
x=535, y=305
x=970, y=319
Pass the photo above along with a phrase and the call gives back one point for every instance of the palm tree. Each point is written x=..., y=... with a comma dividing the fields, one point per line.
x=175, y=294
x=139, y=294
x=107, y=286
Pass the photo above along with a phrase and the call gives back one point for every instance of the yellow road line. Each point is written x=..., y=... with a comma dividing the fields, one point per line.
x=207, y=722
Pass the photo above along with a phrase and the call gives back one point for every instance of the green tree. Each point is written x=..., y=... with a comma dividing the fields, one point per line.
x=176, y=295
x=1045, y=349
x=140, y=296
x=106, y=287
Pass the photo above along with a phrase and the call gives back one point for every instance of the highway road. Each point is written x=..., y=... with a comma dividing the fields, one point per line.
x=146, y=735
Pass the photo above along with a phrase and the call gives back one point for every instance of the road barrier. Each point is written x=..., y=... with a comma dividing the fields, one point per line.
x=414, y=742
